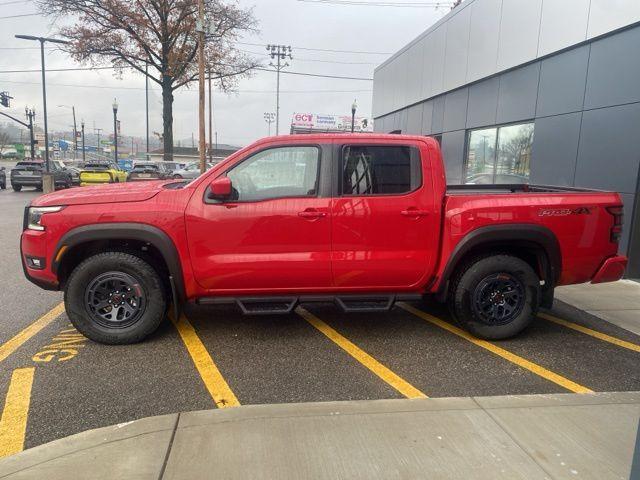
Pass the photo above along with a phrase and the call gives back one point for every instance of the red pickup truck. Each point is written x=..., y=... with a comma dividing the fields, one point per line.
x=360, y=220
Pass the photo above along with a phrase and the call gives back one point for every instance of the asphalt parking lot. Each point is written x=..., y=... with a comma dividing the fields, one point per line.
x=55, y=383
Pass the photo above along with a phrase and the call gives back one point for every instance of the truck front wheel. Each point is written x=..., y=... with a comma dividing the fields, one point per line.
x=495, y=297
x=115, y=298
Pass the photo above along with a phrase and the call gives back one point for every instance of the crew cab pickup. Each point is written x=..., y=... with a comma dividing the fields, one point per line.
x=361, y=220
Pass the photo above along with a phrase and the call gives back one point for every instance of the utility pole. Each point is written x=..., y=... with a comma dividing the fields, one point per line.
x=115, y=130
x=269, y=117
x=27, y=125
x=31, y=113
x=200, y=28
x=146, y=92
x=83, y=144
x=354, y=105
x=279, y=52
x=210, y=121
x=97, y=130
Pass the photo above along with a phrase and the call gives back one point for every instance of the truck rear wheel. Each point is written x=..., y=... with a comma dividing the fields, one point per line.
x=115, y=298
x=495, y=297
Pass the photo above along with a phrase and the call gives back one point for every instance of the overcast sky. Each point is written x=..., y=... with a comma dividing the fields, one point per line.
x=238, y=117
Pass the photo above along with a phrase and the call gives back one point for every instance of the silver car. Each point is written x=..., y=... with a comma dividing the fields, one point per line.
x=190, y=172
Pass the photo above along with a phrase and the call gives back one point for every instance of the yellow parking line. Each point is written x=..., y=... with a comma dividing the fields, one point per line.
x=17, y=341
x=13, y=424
x=213, y=380
x=401, y=385
x=511, y=357
x=593, y=333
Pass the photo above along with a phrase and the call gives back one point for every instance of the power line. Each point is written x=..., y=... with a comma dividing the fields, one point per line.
x=77, y=69
x=21, y=15
x=382, y=4
x=14, y=2
x=320, y=49
x=314, y=59
x=255, y=68
x=115, y=87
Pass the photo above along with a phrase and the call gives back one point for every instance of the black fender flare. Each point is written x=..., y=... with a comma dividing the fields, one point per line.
x=518, y=234
x=127, y=231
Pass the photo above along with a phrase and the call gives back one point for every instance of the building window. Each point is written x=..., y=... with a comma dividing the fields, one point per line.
x=372, y=170
x=499, y=154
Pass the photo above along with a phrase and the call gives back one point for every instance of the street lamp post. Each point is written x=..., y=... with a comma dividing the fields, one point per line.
x=115, y=129
x=48, y=184
x=353, y=115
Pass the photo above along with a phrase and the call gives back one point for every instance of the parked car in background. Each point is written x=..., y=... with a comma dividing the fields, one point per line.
x=3, y=178
x=190, y=172
x=149, y=171
x=101, y=172
x=29, y=174
x=173, y=166
x=74, y=171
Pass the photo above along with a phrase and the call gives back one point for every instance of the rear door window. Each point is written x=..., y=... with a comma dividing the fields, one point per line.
x=380, y=170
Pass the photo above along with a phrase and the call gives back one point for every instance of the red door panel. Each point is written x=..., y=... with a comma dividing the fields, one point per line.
x=384, y=241
x=273, y=244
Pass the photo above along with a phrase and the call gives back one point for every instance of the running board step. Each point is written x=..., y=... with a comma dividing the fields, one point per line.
x=279, y=305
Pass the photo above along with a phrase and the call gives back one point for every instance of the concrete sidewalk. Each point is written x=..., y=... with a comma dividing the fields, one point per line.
x=529, y=437
x=617, y=302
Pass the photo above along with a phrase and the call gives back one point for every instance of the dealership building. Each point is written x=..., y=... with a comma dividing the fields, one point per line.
x=535, y=91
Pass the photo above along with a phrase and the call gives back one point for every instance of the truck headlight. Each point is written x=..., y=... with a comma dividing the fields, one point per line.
x=34, y=216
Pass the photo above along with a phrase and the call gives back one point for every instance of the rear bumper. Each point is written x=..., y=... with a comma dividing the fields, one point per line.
x=27, y=181
x=611, y=270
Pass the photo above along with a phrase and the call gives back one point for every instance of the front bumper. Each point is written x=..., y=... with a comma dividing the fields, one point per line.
x=33, y=244
x=611, y=270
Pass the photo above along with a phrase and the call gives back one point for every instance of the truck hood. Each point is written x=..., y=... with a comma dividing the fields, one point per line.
x=107, y=193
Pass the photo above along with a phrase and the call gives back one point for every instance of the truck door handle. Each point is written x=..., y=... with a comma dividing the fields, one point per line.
x=414, y=212
x=311, y=213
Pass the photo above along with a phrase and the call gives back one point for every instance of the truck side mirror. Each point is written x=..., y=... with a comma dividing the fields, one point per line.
x=220, y=188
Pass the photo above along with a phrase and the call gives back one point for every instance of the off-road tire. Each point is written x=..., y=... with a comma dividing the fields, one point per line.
x=16, y=188
x=464, y=292
x=147, y=278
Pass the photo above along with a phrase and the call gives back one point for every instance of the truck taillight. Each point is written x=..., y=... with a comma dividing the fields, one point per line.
x=618, y=218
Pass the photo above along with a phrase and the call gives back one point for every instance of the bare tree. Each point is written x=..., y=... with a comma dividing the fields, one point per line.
x=158, y=35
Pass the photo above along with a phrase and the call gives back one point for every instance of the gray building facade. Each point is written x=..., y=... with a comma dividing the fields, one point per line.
x=536, y=91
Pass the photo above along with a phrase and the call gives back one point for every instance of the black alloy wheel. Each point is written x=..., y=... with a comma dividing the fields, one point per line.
x=115, y=300
x=498, y=299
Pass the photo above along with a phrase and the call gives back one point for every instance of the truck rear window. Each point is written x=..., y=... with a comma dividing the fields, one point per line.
x=380, y=170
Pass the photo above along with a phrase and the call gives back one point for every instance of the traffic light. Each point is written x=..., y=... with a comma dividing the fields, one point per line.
x=4, y=99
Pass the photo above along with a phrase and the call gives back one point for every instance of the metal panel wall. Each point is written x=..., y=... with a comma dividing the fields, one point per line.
x=519, y=29
x=555, y=149
x=562, y=82
x=483, y=39
x=483, y=103
x=608, y=15
x=455, y=110
x=434, y=52
x=457, y=49
x=614, y=70
x=608, y=156
x=518, y=94
x=453, y=153
x=563, y=23
x=416, y=59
